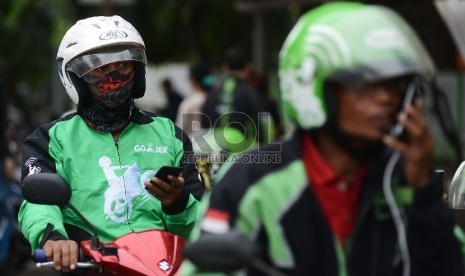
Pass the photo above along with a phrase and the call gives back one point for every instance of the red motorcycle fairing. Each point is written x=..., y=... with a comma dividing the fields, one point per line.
x=151, y=252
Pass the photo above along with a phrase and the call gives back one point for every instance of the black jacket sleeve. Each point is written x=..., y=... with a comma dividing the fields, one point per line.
x=193, y=185
x=35, y=155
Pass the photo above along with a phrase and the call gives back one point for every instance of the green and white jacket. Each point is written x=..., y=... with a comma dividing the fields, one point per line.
x=107, y=178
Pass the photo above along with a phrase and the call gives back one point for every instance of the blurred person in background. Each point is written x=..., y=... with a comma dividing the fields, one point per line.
x=6, y=214
x=269, y=103
x=6, y=218
x=348, y=197
x=190, y=109
x=14, y=252
x=233, y=107
x=173, y=100
x=109, y=150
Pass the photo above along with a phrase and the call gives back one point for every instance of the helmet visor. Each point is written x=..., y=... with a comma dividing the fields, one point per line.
x=86, y=63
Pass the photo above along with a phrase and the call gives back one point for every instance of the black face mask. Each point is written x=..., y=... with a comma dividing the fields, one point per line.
x=111, y=104
x=111, y=91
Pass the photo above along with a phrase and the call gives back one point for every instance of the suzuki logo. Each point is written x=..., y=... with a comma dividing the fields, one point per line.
x=164, y=265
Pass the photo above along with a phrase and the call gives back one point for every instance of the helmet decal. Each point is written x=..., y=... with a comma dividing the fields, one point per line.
x=113, y=34
x=328, y=45
x=298, y=89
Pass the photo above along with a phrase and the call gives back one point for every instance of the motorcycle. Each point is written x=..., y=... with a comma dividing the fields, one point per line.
x=151, y=252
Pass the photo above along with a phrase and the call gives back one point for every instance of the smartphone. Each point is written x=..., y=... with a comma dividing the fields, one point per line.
x=398, y=131
x=164, y=171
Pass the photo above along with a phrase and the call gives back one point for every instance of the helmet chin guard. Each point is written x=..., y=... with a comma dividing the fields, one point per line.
x=94, y=42
x=350, y=44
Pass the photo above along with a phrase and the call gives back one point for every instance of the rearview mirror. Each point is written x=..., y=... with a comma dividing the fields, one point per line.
x=456, y=195
x=46, y=188
x=221, y=252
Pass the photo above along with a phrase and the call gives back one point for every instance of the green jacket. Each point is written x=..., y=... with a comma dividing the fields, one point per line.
x=107, y=178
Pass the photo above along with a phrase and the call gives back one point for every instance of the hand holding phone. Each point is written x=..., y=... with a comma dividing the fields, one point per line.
x=398, y=131
x=164, y=171
x=166, y=191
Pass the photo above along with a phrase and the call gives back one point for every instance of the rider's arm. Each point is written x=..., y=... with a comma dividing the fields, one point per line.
x=193, y=183
x=180, y=216
x=33, y=218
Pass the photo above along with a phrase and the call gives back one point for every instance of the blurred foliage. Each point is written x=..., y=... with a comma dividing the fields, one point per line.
x=184, y=30
x=30, y=31
x=173, y=31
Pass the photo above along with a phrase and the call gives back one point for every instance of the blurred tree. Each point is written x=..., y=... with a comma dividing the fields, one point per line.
x=174, y=31
x=179, y=30
x=31, y=30
x=3, y=119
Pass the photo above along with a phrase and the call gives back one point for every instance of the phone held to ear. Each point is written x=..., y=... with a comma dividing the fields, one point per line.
x=164, y=171
x=398, y=130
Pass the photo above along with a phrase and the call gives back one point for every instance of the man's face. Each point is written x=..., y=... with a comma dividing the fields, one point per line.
x=110, y=85
x=369, y=111
x=123, y=67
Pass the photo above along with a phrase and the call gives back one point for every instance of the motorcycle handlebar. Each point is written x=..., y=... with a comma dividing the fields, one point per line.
x=79, y=265
x=39, y=256
x=41, y=260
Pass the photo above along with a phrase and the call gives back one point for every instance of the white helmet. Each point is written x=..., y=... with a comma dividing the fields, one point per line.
x=94, y=42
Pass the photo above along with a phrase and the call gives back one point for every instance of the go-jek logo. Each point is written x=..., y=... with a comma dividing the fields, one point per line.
x=125, y=183
x=149, y=148
x=30, y=164
x=113, y=34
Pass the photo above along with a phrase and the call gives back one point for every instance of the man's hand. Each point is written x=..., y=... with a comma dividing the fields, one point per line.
x=167, y=193
x=63, y=253
x=419, y=147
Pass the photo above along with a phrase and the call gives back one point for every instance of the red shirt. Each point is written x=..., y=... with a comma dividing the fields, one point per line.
x=338, y=197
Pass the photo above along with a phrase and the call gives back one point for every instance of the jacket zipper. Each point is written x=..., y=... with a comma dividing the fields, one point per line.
x=124, y=184
x=342, y=256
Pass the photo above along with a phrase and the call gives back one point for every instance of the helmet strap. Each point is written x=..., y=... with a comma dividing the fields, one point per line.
x=81, y=89
x=138, y=90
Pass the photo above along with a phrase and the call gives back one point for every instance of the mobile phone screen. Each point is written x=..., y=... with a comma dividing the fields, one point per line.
x=164, y=171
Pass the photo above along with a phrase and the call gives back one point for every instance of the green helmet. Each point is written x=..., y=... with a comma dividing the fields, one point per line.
x=350, y=44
